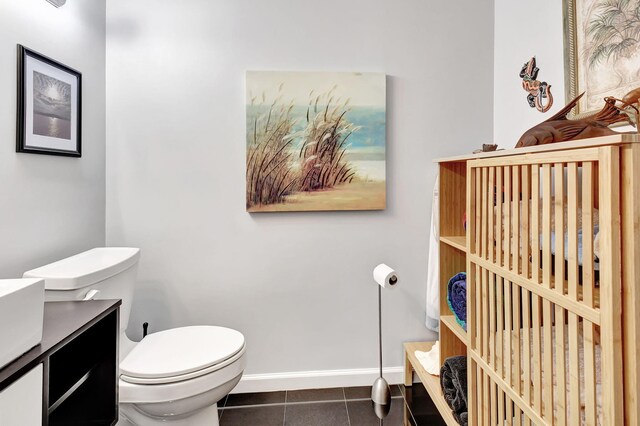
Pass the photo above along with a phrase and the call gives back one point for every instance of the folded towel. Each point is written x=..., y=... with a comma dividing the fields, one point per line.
x=457, y=298
x=596, y=246
x=430, y=360
x=595, y=217
x=433, y=265
x=453, y=380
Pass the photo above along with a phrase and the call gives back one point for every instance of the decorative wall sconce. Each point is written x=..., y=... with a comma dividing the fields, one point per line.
x=57, y=3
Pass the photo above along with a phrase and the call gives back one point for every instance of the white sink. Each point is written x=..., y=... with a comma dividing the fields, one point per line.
x=21, y=316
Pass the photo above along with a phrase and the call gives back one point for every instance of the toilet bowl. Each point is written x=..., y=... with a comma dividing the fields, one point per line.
x=172, y=377
x=177, y=376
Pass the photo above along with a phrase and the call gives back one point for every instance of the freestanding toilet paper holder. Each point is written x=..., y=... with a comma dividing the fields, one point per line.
x=384, y=276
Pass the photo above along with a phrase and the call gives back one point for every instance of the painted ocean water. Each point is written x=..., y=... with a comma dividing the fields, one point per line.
x=365, y=147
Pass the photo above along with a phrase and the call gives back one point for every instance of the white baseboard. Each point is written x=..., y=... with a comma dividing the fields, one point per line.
x=316, y=379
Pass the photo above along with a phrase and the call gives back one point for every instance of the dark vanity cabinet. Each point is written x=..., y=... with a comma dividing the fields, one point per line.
x=78, y=358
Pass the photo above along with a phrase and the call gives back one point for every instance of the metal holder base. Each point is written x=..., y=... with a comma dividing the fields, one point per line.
x=381, y=397
x=380, y=392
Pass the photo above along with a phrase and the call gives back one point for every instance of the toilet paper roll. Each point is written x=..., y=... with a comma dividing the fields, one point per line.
x=385, y=276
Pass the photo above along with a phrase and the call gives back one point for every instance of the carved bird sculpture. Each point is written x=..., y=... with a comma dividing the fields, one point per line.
x=559, y=128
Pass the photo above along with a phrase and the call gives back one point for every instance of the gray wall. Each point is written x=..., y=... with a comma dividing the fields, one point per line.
x=518, y=37
x=51, y=207
x=298, y=285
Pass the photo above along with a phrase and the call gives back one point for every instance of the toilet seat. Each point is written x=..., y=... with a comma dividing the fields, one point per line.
x=163, y=392
x=183, y=377
x=181, y=354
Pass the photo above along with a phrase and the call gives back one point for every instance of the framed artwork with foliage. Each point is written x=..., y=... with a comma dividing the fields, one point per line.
x=316, y=141
x=602, y=50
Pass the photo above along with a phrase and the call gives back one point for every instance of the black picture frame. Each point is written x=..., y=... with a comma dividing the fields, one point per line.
x=49, y=109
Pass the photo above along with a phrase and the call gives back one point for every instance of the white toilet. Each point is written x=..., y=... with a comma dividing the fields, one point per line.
x=173, y=377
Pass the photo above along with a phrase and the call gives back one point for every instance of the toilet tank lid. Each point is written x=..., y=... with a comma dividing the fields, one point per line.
x=86, y=268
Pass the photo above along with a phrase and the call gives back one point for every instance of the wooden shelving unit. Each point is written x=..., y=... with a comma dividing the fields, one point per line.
x=431, y=383
x=450, y=322
x=495, y=397
x=458, y=242
x=453, y=248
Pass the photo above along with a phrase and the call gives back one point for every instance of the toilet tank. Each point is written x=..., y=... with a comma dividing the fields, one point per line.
x=99, y=273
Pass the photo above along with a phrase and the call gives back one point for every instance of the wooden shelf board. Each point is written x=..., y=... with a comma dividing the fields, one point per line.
x=560, y=146
x=596, y=290
x=431, y=383
x=458, y=242
x=450, y=322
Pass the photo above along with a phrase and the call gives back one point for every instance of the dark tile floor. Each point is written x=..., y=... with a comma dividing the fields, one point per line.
x=328, y=407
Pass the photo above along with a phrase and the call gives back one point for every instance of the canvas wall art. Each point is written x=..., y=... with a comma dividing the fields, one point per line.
x=602, y=50
x=315, y=141
x=49, y=106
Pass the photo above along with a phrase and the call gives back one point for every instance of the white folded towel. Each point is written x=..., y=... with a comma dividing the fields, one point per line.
x=430, y=360
x=433, y=266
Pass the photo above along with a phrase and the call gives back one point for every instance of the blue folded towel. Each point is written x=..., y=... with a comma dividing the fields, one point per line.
x=457, y=298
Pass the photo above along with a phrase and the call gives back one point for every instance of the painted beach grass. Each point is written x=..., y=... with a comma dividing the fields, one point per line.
x=315, y=141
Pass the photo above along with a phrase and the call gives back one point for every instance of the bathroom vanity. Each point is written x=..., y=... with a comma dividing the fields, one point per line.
x=71, y=378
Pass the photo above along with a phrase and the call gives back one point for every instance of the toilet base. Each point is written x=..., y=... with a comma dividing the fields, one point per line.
x=131, y=416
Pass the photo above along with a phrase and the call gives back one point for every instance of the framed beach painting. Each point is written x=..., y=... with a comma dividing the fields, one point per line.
x=315, y=141
x=49, y=106
x=602, y=50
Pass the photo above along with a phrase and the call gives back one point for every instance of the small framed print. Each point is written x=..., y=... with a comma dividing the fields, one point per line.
x=49, y=106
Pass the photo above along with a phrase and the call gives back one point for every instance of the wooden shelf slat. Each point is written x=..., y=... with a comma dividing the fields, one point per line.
x=621, y=139
x=450, y=322
x=458, y=242
x=431, y=383
x=596, y=290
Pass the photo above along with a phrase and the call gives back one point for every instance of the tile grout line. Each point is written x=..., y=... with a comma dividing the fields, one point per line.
x=277, y=404
x=410, y=413
x=223, y=405
x=406, y=403
x=284, y=416
x=345, y=400
x=346, y=406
